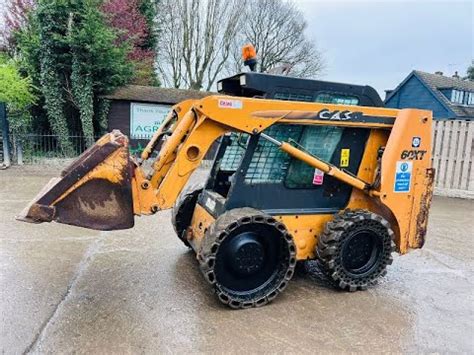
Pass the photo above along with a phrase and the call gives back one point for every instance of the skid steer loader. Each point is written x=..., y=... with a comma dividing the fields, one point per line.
x=291, y=180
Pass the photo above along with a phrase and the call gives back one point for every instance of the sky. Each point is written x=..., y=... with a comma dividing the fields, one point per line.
x=380, y=42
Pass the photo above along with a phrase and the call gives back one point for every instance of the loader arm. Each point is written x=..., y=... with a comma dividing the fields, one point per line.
x=105, y=187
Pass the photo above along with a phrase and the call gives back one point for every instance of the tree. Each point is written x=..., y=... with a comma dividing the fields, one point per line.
x=145, y=70
x=14, y=89
x=15, y=18
x=202, y=39
x=470, y=72
x=68, y=48
x=148, y=9
x=277, y=30
x=16, y=92
x=196, y=40
x=97, y=65
x=134, y=20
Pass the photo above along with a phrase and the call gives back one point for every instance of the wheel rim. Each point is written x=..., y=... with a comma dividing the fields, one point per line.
x=361, y=253
x=247, y=261
x=245, y=254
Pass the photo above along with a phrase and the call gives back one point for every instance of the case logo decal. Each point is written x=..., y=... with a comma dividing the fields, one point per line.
x=337, y=115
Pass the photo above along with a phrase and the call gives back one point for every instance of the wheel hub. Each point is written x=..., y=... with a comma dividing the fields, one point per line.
x=246, y=254
x=360, y=253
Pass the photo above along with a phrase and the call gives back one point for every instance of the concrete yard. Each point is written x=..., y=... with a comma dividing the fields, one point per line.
x=71, y=290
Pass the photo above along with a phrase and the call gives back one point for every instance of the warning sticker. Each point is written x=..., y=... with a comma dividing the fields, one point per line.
x=345, y=155
x=318, y=177
x=226, y=103
x=403, y=176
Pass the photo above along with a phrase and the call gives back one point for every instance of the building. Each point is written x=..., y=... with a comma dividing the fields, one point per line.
x=450, y=98
x=138, y=111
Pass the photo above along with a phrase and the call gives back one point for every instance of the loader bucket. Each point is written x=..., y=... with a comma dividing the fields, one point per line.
x=93, y=192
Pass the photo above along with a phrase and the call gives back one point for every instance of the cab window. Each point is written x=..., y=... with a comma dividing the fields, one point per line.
x=271, y=165
x=336, y=99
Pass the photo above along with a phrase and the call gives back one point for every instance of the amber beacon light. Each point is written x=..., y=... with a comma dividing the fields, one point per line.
x=249, y=55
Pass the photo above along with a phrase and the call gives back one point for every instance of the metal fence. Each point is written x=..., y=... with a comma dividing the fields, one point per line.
x=453, y=151
x=44, y=147
x=34, y=148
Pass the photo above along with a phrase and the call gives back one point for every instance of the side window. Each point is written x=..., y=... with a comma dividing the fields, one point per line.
x=320, y=141
x=269, y=164
x=337, y=99
x=292, y=97
x=234, y=152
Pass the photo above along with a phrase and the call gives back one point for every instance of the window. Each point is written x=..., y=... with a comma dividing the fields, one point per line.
x=462, y=97
x=292, y=97
x=470, y=100
x=457, y=96
x=327, y=98
x=270, y=165
x=320, y=141
x=234, y=152
x=337, y=99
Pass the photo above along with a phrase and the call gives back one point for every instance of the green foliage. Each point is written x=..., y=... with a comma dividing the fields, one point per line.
x=92, y=42
x=148, y=9
x=103, y=106
x=144, y=73
x=28, y=51
x=97, y=65
x=71, y=53
x=16, y=92
x=81, y=82
x=53, y=54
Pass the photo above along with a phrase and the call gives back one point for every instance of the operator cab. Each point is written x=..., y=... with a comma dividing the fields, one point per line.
x=249, y=171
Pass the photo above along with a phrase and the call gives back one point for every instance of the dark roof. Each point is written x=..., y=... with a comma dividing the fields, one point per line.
x=155, y=94
x=437, y=82
x=269, y=85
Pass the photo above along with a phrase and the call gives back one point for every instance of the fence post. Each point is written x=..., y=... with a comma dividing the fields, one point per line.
x=6, y=143
x=19, y=151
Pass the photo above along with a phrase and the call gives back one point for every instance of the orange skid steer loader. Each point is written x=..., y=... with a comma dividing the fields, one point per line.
x=291, y=181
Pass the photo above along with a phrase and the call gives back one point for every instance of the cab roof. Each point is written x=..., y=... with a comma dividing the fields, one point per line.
x=252, y=84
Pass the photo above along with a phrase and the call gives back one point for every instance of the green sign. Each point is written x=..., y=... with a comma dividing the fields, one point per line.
x=145, y=119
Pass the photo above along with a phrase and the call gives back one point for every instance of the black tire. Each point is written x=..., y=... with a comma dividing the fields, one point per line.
x=355, y=249
x=183, y=210
x=248, y=257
